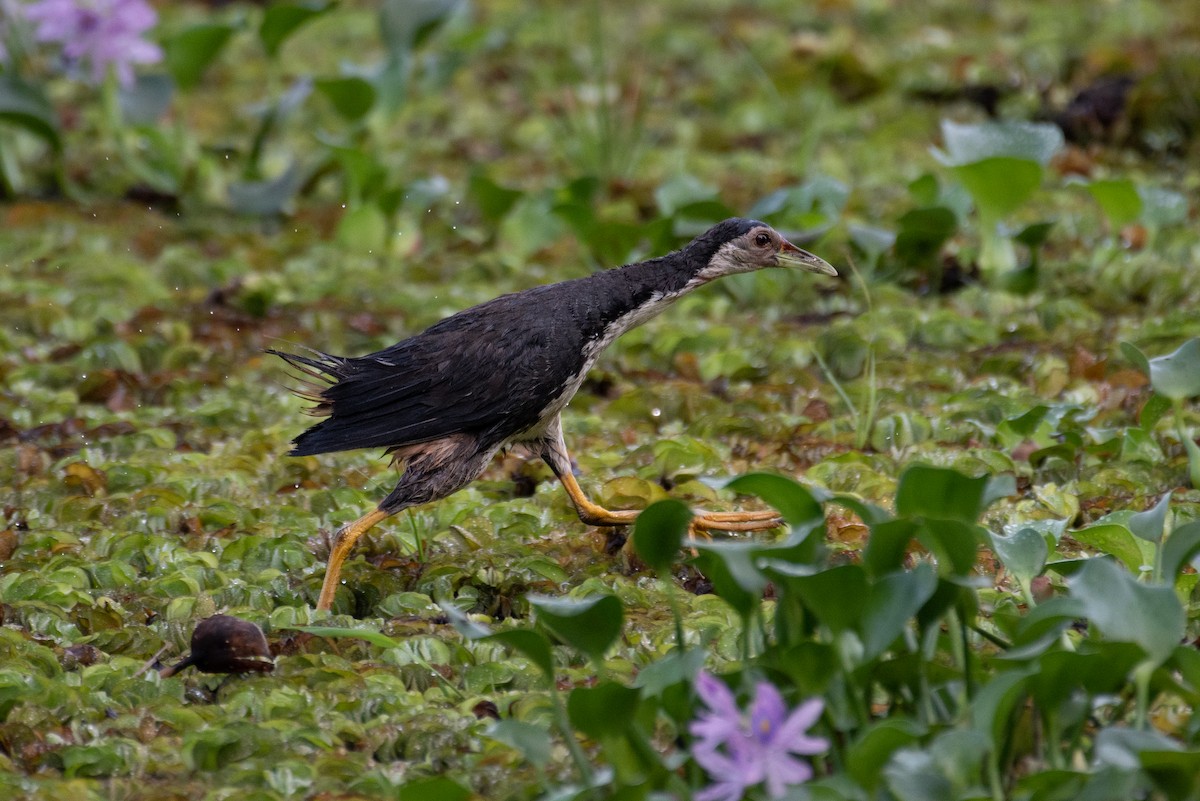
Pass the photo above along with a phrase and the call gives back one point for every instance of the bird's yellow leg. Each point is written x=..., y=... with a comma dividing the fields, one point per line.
x=595, y=515
x=592, y=513
x=343, y=542
x=736, y=521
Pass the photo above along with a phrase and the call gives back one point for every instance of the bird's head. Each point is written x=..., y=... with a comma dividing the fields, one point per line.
x=741, y=246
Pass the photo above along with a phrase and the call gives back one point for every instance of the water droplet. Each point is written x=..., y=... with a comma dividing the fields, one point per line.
x=656, y=412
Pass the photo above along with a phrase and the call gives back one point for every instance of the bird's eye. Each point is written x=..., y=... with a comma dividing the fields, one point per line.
x=762, y=240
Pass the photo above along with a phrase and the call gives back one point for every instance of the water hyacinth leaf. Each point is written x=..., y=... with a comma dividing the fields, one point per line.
x=680, y=191
x=405, y=24
x=1126, y=611
x=532, y=741
x=438, y=788
x=954, y=543
x=266, y=198
x=1114, y=540
x=1136, y=357
x=973, y=142
x=659, y=531
x=794, y=502
x=604, y=710
x=940, y=493
x=532, y=644
x=999, y=185
x=891, y=603
x=1100, y=671
x=26, y=106
x=922, y=234
x=281, y=20
x=363, y=229
x=731, y=569
x=1162, y=207
x=912, y=775
x=993, y=705
x=337, y=632
x=836, y=596
x=674, y=668
x=871, y=240
x=1177, y=374
x=590, y=625
x=1154, y=409
x=1118, y=199
x=1181, y=547
x=869, y=754
x=1023, y=552
x=888, y=544
x=352, y=97
x=1150, y=525
x=146, y=100
x=493, y=200
x=191, y=51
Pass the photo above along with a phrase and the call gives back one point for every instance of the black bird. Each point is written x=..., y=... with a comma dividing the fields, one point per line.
x=445, y=401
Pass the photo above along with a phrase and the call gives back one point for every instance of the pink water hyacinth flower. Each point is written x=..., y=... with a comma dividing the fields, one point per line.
x=739, y=751
x=98, y=32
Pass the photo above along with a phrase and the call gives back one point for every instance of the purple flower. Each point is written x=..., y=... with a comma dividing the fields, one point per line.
x=739, y=751
x=100, y=32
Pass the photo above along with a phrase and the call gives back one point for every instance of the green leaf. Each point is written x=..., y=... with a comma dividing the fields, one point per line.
x=190, y=52
x=438, y=788
x=891, y=603
x=681, y=190
x=675, y=668
x=1181, y=546
x=659, y=531
x=1023, y=552
x=1113, y=540
x=888, y=544
x=913, y=775
x=999, y=185
x=589, y=625
x=533, y=644
x=922, y=234
x=337, y=632
x=493, y=200
x=1126, y=611
x=993, y=705
x=1118, y=199
x=604, y=710
x=940, y=493
x=363, y=229
x=731, y=569
x=1177, y=374
x=836, y=596
x=794, y=502
x=266, y=198
x=1151, y=524
x=147, y=100
x=281, y=20
x=1155, y=407
x=1162, y=207
x=1134, y=355
x=869, y=754
x=405, y=24
x=352, y=97
x=532, y=741
x=26, y=106
x=1025, y=141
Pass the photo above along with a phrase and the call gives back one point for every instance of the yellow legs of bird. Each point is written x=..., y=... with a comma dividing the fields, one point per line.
x=589, y=512
x=437, y=470
x=343, y=541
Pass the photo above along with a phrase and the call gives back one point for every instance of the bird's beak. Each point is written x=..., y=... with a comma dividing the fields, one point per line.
x=792, y=256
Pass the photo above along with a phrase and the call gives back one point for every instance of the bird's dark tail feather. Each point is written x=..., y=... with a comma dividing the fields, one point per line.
x=325, y=370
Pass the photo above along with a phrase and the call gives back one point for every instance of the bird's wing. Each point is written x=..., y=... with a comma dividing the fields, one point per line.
x=488, y=371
